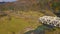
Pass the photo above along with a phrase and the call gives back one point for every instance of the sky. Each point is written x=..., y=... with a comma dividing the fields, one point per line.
x=7, y=0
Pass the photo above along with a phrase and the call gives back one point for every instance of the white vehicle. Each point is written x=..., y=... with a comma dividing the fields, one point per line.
x=49, y=20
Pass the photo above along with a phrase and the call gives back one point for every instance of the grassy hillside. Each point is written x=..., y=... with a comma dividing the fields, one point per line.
x=19, y=22
x=22, y=15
